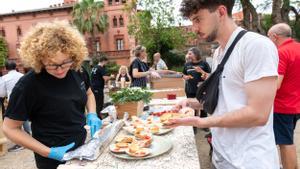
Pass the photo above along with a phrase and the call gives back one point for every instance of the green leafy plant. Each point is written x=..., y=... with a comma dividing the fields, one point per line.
x=112, y=68
x=132, y=94
x=3, y=51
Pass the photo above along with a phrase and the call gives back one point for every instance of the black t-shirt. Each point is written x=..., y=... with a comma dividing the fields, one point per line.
x=97, y=81
x=191, y=84
x=142, y=67
x=55, y=107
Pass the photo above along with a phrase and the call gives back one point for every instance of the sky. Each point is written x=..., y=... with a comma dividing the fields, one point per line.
x=19, y=5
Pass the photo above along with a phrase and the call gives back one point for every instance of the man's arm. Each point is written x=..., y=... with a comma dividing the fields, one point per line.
x=260, y=96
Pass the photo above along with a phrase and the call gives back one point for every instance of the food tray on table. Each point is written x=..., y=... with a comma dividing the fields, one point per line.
x=158, y=147
x=161, y=131
x=151, y=124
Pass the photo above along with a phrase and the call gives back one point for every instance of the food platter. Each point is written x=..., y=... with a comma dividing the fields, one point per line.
x=161, y=131
x=158, y=147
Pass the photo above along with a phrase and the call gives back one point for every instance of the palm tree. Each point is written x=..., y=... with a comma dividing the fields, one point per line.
x=89, y=17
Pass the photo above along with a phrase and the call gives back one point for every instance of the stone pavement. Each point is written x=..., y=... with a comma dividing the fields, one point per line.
x=24, y=158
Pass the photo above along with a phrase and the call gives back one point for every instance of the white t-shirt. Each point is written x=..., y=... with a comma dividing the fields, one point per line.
x=161, y=65
x=9, y=82
x=253, y=57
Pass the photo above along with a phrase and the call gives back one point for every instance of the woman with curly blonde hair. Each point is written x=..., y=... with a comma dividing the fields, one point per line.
x=123, y=76
x=53, y=95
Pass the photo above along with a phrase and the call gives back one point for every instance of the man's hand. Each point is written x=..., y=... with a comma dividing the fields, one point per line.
x=204, y=75
x=57, y=153
x=187, y=77
x=188, y=121
x=181, y=104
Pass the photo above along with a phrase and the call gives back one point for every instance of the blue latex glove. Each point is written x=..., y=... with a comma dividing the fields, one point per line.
x=94, y=122
x=57, y=153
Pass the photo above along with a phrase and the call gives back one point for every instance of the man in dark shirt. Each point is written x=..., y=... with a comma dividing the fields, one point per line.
x=98, y=78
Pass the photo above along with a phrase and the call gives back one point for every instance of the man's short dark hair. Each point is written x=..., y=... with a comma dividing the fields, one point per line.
x=103, y=58
x=190, y=7
x=10, y=65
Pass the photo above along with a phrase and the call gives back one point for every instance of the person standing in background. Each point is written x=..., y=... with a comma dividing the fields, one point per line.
x=190, y=75
x=99, y=77
x=123, y=78
x=287, y=100
x=158, y=63
x=9, y=82
x=139, y=70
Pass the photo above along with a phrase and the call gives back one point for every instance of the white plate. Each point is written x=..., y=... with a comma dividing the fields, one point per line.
x=113, y=148
x=146, y=150
x=158, y=147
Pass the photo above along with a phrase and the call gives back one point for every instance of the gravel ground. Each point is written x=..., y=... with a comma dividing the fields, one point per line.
x=24, y=158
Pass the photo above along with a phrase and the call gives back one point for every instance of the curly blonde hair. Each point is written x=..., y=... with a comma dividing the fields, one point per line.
x=46, y=39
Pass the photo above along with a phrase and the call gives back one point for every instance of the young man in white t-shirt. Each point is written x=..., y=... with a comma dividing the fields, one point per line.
x=242, y=123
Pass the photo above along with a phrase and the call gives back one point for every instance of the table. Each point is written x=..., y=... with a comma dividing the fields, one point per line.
x=182, y=156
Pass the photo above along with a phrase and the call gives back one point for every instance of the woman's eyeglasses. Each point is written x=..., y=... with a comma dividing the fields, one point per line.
x=64, y=65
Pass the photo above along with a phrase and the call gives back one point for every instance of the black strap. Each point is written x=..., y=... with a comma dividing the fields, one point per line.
x=230, y=49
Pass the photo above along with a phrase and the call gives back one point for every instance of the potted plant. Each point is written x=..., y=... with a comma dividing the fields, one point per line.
x=130, y=100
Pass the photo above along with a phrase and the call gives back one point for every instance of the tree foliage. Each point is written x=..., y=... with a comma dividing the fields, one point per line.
x=89, y=17
x=3, y=51
x=282, y=10
x=154, y=26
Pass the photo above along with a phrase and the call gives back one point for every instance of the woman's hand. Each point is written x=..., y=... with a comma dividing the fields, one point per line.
x=94, y=122
x=57, y=153
x=155, y=75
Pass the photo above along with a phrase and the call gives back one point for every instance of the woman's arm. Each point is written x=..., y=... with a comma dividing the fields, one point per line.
x=137, y=74
x=91, y=102
x=12, y=130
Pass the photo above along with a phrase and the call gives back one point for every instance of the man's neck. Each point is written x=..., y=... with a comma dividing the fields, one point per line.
x=282, y=40
x=225, y=33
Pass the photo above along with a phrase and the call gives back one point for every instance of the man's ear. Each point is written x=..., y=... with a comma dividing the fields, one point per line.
x=222, y=11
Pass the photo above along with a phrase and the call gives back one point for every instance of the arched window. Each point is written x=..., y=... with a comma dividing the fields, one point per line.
x=120, y=44
x=121, y=21
x=19, y=31
x=110, y=2
x=115, y=21
x=2, y=32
